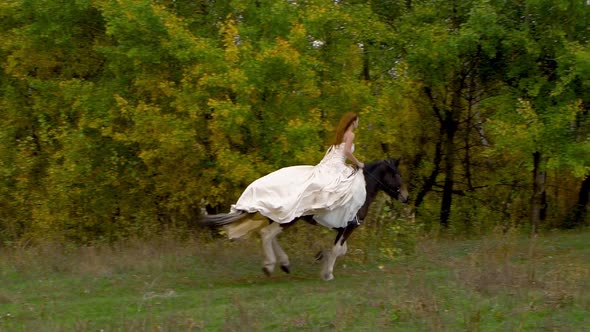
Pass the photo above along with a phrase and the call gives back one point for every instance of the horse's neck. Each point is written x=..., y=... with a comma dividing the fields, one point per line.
x=372, y=188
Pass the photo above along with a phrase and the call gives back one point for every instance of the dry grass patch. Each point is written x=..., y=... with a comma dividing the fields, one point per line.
x=163, y=253
x=507, y=262
x=496, y=264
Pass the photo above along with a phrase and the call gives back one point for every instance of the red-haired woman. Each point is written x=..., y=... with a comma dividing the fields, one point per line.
x=331, y=191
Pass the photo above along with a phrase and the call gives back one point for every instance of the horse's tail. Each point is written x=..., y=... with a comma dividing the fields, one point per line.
x=235, y=224
x=222, y=219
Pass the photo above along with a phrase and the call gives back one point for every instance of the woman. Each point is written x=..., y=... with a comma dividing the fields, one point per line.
x=331, y=191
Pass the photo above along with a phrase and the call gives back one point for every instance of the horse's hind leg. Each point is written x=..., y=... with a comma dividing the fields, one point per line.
x=268, y=235
x=281, y=255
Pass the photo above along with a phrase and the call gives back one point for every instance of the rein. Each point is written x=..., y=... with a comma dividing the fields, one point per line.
x=383, y=186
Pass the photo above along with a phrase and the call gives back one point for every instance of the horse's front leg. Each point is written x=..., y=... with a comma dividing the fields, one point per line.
x=268, y=235
x=339, y=249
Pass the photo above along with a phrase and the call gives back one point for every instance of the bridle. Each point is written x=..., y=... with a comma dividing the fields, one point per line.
x=384, y=187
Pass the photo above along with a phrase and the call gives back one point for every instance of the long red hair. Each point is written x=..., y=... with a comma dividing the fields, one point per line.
x=345, y=121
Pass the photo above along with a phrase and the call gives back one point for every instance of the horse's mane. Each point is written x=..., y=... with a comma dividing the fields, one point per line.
x=372, y=166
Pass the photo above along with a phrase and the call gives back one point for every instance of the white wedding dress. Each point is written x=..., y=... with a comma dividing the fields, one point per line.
x=331, y=191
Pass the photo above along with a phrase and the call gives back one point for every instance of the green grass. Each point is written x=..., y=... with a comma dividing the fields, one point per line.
x=503, y=282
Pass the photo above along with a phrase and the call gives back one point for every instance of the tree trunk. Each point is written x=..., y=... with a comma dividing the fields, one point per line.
x=366, y=72
x=538, y=206
x=431, y=180
x=579, y=212
x=447, y=197
x=451, y=126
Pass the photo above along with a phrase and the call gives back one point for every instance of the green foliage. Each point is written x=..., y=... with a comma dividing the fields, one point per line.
x=123, y=117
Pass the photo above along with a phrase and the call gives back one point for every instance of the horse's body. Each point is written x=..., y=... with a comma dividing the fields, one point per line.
x=379, y=175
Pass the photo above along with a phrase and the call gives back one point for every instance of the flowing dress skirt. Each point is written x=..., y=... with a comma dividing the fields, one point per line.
x=331, y=191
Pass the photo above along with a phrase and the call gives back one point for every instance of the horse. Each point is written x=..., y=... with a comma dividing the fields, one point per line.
x=380, y=175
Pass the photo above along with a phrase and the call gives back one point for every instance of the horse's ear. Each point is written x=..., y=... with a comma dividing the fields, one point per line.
x=393, y=162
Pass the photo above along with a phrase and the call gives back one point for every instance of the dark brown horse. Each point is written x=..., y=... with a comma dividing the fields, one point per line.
x=379, y=175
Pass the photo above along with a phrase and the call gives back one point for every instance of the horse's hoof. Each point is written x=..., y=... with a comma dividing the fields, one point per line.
x=266, y=271
x=285, y=268
x=327, y=276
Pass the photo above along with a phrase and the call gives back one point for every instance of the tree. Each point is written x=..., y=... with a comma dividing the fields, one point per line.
x=450, y=52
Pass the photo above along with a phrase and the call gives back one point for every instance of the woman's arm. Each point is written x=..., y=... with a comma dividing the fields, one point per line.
x=348, y=140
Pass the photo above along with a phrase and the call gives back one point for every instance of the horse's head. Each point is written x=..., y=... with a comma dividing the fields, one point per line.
x=386, y=175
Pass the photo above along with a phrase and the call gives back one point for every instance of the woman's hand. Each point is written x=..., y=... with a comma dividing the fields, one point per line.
x=361, y=165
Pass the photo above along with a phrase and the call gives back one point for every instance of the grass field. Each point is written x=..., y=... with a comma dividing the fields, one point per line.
x=503, y=282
